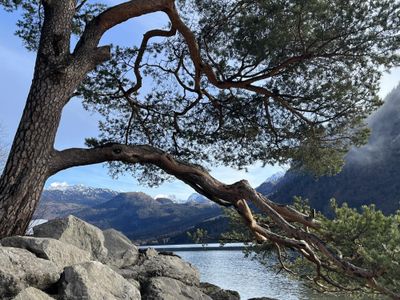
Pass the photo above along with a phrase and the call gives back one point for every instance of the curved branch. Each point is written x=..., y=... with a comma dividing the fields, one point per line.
x=88, y=43
x=194, y=175
x=146, y=37
x=283, y=217
x=203, y=68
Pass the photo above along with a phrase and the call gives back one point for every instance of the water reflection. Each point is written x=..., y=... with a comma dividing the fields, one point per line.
x=230, y=270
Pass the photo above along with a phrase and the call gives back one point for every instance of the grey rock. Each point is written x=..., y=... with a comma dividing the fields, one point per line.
x=74, y=231
x=216, y=293
x=164, y=266
x=262, y=298
x=93, y=281
x=163, y=288
x=61, y=254
x=135, y=283
x=150, y=252
x=121, y=252
x=32, y=293
x=20, y=269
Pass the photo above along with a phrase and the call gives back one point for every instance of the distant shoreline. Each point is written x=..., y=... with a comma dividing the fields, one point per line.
x=196, y=247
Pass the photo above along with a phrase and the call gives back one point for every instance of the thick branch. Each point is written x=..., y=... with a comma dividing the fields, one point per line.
x=110, y=18
x=294, y=237
x=195, y=176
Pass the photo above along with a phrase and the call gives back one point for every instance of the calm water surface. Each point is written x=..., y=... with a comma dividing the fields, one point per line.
x=230, y=270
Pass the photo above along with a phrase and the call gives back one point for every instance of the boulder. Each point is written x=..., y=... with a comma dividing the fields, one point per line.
x=93, y=281
x=32, y=293
x=163, y=266
x=20, y=269
x=216, y=293
x=61, y=254
x=135, y=283
x=150, y=252
x=74, y=231
x=164, y=288
x=262, y=298
x=31, y=265
x=121, y=252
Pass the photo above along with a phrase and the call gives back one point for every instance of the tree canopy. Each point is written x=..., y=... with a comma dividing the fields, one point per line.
x=227, y=82
x=273, y=81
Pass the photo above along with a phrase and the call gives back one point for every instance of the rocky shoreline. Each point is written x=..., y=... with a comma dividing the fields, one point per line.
x=71, y=259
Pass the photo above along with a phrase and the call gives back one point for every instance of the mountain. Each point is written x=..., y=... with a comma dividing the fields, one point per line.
x=164, y=200
x=213, y=226
x=144, y=219
x=61, y=200
x=370, y=174
x=199, y=199
x=270, y=183
x=137, y=215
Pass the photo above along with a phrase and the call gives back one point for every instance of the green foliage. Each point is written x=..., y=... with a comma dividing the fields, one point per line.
x=318, y=62
x=370, y=174
x=365, y=238
x=319, y=101
x=84, y=14
x=368, y=239
x=200, y=236
x=238, y=231
x=10, y=5
x=30, y=24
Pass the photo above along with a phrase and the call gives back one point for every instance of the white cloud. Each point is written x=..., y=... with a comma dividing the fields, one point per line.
x=58, y=185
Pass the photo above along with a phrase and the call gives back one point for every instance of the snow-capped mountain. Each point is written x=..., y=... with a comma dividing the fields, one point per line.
x=79, y=194
x=162, y=198
x=199, y=199
x=268, y=186
x=274, y=178
x=61, y=199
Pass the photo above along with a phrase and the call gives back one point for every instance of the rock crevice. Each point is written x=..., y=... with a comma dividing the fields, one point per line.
x=71, y=259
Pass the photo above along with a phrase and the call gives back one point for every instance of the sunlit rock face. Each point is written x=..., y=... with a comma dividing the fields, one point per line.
x=71, y=259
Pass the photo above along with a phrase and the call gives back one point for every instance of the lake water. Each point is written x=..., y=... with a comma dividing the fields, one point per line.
x=230, y=270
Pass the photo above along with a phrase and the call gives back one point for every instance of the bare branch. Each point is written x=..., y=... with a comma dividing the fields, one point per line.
x=235, y=194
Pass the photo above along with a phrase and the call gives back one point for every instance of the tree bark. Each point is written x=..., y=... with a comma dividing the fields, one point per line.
x=27, y=167
x=58, y=72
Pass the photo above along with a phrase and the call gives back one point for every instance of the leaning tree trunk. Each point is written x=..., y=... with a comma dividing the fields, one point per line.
x=54, y=81
x=27, y=168
x=58, y=72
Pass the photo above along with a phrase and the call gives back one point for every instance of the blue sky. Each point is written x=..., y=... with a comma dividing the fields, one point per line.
x=16, y=67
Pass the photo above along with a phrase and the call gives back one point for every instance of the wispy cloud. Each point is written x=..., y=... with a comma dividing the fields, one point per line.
x=389, y=81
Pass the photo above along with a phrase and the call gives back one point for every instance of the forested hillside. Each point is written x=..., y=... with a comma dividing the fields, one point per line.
x=370, y=174
x=139, y=216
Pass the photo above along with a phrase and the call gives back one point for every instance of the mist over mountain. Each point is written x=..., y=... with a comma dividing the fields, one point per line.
x=370, y=174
